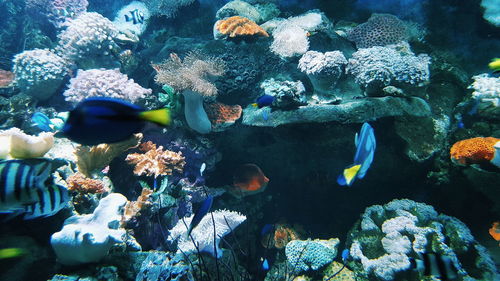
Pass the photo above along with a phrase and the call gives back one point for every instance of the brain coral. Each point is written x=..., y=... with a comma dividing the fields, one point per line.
x=103, y=83
x=379, y=30
x=383, y=240
x=310, y=254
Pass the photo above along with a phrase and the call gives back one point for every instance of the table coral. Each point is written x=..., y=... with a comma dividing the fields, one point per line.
x=310, y=254
x=237, y=26
x=156, y=161
x=476, y=151
x=222, y=115
x=383, y=241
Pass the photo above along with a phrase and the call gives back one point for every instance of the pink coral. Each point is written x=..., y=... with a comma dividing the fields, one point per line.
x=379, y=30
x=104, y=83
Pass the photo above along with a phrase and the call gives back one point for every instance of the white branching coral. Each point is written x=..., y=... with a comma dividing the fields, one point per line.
x=203, y=234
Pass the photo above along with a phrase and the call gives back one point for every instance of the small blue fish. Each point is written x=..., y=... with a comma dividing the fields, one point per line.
x=265, y=115
x=135, y=16
x=365, y=149
x=265, y=265
x=108, y=120
x=345, y=255
x=200, y=213
x=42, y=122
x=262, y=101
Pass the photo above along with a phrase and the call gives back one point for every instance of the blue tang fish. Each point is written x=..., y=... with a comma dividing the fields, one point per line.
x=200, y=213
x=262, y=101
x=42, y=122
x=108, y=120
x=365, y=149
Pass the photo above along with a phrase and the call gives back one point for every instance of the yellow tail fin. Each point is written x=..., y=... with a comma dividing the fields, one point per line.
x=495, y=64
x=255, y=105
x=350, y=173
x=158, y=116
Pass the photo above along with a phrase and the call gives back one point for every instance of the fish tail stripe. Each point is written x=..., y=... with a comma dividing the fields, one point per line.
x=3, y=181
x=61, y=195
x=30, y=182
x=19, y=181
x=52, y=197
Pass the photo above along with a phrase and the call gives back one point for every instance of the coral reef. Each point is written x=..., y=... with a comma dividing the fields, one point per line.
x=203, y=234
x=281, y=235
x=191, y=76
x=88, y=40
x=81, y=184
x=222, y=115
x=310, y=254
x=6, y=78
x=323, y=69
x=476, y=151
x=57, y=12
x=104, y=83
x=155, y=161
x=491, y=12
x=39, y=72
x=162, y=266
x=132, y=208
x=14, y=143
x=288, y=94
x=379, y=30
x=385, y=238
x=92, y=158
x=237, y=26
x=376, y=67
x=487, y=94
x=166, y=8
x=88, y=238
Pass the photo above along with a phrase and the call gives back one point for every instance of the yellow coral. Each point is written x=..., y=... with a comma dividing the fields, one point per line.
x=155, y=161
x=91, y=158
x=14, y=143
x=239, y=26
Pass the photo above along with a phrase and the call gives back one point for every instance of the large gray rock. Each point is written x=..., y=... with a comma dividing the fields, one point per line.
x=355, y=111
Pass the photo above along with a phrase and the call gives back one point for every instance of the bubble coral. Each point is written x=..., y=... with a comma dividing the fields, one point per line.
x=222, y=115
x=156, y=161
x=238, y=26
x=379, y=30
x=476, y=151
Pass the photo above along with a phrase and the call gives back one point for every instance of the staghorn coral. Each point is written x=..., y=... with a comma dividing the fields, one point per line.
x=91, y=158
x=132, y=208
x=39, y=72
x=80, y=183
x=237, y=26
x=222, y=115
x=156, y=161
x=475, y=151
x=104, y=83
x=192, y=77
x=6, y=78
x=14, y=143
x=379, y=30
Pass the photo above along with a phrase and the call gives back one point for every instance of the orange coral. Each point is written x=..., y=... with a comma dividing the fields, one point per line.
x=132, y=208
x=222, y=115
x=495, y=231
x=81, y=184
x=280, y=237
x=6, y=78
x=239, y=26
x=474, y=150
x=155, y=161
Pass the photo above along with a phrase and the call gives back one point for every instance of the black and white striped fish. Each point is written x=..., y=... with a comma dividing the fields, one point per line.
x=432, y=264
x=27, y=187
x=135, y=16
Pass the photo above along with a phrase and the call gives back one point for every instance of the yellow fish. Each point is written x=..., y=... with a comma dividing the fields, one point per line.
x=8, y=253
x=495, y=65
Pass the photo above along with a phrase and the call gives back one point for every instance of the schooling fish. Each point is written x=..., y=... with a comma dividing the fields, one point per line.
x=365, y=149
x=108, y=120
x=200, y=213
x=438, y=266
x=135, y=16
x=262, y=101
x=26, y=187
x=42, y=122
